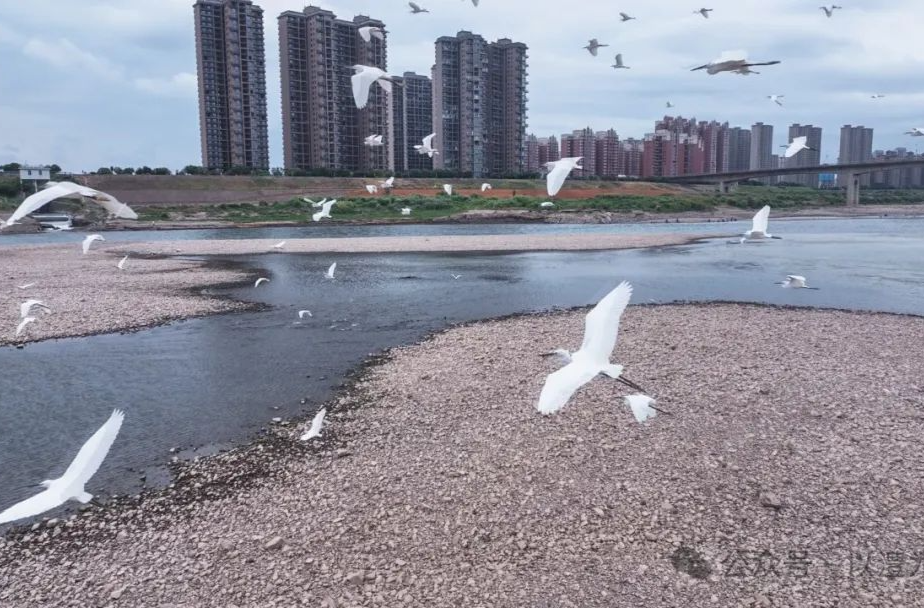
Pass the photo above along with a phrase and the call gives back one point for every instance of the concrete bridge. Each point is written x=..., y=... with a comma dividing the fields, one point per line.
x=727, y=181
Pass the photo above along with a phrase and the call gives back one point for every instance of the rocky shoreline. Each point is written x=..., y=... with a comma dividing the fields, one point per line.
x=437, y=484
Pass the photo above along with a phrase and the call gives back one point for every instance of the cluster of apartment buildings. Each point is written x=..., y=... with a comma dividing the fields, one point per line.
x=474, y=99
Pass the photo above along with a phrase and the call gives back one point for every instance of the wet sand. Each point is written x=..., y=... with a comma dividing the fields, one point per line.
x=787, y=474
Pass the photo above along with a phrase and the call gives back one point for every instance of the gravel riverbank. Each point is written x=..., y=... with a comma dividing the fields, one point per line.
x=787, y=475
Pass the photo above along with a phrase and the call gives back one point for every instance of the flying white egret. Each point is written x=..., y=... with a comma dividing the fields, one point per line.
x=777, y=99
x=330, y=271
x=447, y=188
x=260, y=281
x=72, y=484
x=372, y=188
x=317, y=423
x=388, y=184
x=455, y=277
x=915, y=132
x=26, y=307
x=89, y=241
x=374, y=141
x=795, y=281
x=485, y=187
x=547, y=204
x=624, y=17
x=121, y=264
x=279, y=245
x=405, y=211
x=830, y=11
x=368, y=32
x=641, y=406
x=797, y=145
x=668, y=105
x=732, y=61
x=601, y=329
x=324, y=212
x=426, y=147
x=593, y=46
x=559, y=171
x=304, y=313
x=26, y=286
x=69, y=189
x=619, y=65
x=314, y=204
x=415, y=9
x=704, y=12
x=759, y=227
x=877, y=96
x=22, y=325
x=363, y=79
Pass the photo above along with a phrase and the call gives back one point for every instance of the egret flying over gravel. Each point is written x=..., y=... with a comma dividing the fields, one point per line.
x=797, y=145
x=559, y=171
x=759, y=227
x=260, y=281
x=455, y=277
x=89, y=241
x=704, y=12
x=56, y=190
x=317, y=423
x=601, y=329
x=777, y=99
x=324, y=212
x=795, y=281
x=624, y=17
x=121, y=264
x=830, y=11
x=405, y=211
x=486, y=187
x=304, y=313
x=426, y=146
x=369, y=32
x=619, y=65
x=372, y=188
x=330, y=271
x=363, y=79
x=388, y=184
x=732, y=61
x=641, y=406
x=415, y=9
x=22, y=325
x=447, y=188
x=593, y=46
x=26, y=286
x=314, y=204
x=26, y=307
x=72, y=484
x=279, y=245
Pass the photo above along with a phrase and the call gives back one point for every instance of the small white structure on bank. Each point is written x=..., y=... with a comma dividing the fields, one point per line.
x=34, y=174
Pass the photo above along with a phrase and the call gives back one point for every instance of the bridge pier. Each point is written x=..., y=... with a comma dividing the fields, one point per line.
x=853, y=189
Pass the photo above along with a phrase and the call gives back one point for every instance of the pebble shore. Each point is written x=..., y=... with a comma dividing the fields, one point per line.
x=787, y=474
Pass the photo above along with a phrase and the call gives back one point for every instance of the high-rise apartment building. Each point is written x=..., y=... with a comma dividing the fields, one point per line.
x=630, y=157
x=761, y=146
x=738, y=150
x=856, y=147
x=231, y=65
x=669, y=153
x=532, y=154
x=321, y=125
x=714, y=137
x=583, y=143
x=549, y=150
x=607, y=154
x=805, y=158
x=479, y=105
x=412, y=120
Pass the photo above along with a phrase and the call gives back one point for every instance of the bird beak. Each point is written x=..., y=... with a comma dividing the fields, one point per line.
x=630, y=384
x=549, y=354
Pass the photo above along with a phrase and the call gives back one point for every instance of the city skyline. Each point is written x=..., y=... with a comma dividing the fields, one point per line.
x=128, y=72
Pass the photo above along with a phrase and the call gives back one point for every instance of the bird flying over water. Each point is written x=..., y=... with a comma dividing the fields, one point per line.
x=427, y=146
x=795, y=281
x=668, y=105
x=72, y=484
x=797, y=145
x=593, y=46
x=601, y=330
x=704, y=12
x=279, y=245
x=388, y=183
x=619, y=65
x=641, y=406
x=260, y=281
x=56, y=190
x=22, y=325
x=314, y=204
x=732, y=61
x=363, y=79
x=330, y=271
x=559, y=171
x=777, y=99
x=324, y=212
x=121, y=264
x=304, y=313
x=415, y=9
x=89, y=241
x=759, y=227
x=317, y=423
x=624, y=17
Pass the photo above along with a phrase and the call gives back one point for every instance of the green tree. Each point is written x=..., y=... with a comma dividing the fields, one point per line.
x=55, y=169
x=104, y=171
x=11, y=167
x=161, y=171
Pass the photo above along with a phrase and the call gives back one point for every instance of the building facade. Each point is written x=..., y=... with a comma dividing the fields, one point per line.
x=321, y=125
x=607, y=152
x=856, y=147
x=738, y=150
x=805, y=158
x=412, y=120
x=231, y=67
x=583, y=143
x=479, y=105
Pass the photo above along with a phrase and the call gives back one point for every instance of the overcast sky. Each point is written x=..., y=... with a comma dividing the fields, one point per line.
x=112, y=82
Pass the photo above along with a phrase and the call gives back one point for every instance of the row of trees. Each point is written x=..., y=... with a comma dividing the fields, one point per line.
x=17, y=167
x=130, y=171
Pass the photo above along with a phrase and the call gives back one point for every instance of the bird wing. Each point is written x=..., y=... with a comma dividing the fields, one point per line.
x=639, y=404
x=428, y=140
x=38, y=200
x=333, y=267
x=94, y=451
x=556, y=177
x=41, y=502
x=328, y=205
x=365, y=33
x=560, y=385
x=624, y=16
x=414, y=6
x=797, y=145
x=761, y=220
x=601, y=327
x=23, y=323
x=619, y=59
x=748, y=65
x=362, y=81
x=114, y=206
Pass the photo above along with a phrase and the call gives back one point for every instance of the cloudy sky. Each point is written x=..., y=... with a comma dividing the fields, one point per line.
x=112, y=82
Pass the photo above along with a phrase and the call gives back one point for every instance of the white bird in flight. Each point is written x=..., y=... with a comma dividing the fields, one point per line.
x=624, y=17
x=795, y=281
x=260, y=281
x=279, y=245
x=601, y=329
x=641, y=406
x=314, y=204
x=368, y=32
x=26, y=307
x=619, y=65
x=405, y=211
x=304, y=313
x=777, y=99
x=427, y=146
x=704, y=12
x=915, y=132
x=797, y=145
x=830, y=11
x=732, y=61
x=330, y=271
x=317, y=423
x=324, y=212
x=593, y=46
x=374, y=141
x=26, y=286
x=447, y=188
x=759, y=227
x=121, y=264
x=669, y=105
x=877, y=96
x=372, y=188
x=363, y=79
x=415, y=9
x=55, y=190
x=455, y=277
x=72, y=484
x=388, y=184
x=89, y=241
x=22, y=325
x=486, y=187
x=559, y=171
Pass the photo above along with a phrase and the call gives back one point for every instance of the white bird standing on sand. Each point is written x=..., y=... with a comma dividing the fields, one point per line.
x=121, y=264
x=777, y=99
x=795, y=281
x=330, y=271
x=427, y=146
x=624, y=17
x=317, y=423
x=732, y=61
x=641, y=406
x=279, y=245
x=486, y=187
x=405, y=211
x=72, y=484
x=915, y=132
x=797, y=145
x=601, y=329
x=89, y=240
x=619, y=65
x=447, y=188
x=260, y=281
x=372, y=188
x=363, y=79
x=593, y=46
x=704, y=12
x=559, y=171
x=547, y=204
x=26, y=307
x=415, y=9
x=324, y=212
x=830, y=11
x=368, y=32
x=759, y=227
x=304, y=313
x=22, y=325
